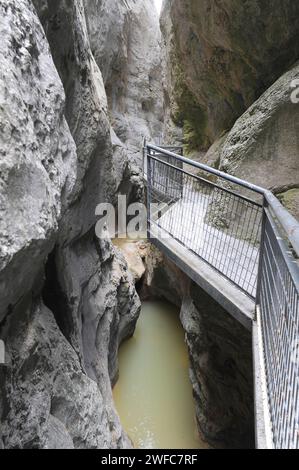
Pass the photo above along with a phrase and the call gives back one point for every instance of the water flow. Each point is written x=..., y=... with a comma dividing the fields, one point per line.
x=153, y=395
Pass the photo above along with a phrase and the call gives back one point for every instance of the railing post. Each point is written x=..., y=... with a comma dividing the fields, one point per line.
x=260, y=265
x=149, y=189
x=2, y=352
x=144, y=170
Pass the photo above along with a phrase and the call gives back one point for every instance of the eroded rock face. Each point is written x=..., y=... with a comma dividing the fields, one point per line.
x=231, y=73
x=134, y=252
x=46, y=399
x=162, y=278
x=37, y=154
x=94, y=297
x=221, y=371
x=86, y=110
x=125, y=40
x=262, y=147
x=63, y=315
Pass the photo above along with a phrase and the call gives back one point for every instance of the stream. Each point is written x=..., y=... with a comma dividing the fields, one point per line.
x=154, y=395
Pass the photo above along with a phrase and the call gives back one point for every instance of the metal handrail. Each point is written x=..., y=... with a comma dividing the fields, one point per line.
x=169, y=180
x=213, y=171
x=210, y=183
x=287, y=221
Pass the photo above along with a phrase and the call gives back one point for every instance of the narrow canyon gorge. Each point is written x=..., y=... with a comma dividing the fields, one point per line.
x=83, y=84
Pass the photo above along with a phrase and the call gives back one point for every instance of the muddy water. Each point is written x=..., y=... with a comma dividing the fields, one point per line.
x=153, y=395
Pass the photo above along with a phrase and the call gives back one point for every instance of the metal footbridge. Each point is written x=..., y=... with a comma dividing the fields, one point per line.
x=238, y=243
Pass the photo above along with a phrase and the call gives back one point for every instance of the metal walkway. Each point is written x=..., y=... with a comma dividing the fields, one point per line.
x=238, y=243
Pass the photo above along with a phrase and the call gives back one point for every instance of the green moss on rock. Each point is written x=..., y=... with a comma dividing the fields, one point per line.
x=290, y=200
x=187, y=113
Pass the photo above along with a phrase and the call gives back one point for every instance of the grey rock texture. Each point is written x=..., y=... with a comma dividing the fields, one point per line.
x=290, y=199
x=46, y=400
x=223, y=56
x=262, y=147
x=125, y=40
x=115, y=45
x=93, y=294
x=67, y=299
x=86, y=111
x=134, y=252
x=220, y=371
x=162, y=278
x=37, y=156
x=220, y=356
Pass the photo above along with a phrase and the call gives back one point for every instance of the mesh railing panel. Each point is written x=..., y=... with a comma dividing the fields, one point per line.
x=279, y=304
x=220, y=226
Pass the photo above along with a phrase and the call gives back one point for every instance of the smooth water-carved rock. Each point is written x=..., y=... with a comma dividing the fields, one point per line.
x=263, y=144
x=46, y=399
x=125, y=40
x=86, y=111
x=37, y=157
x=96, y=304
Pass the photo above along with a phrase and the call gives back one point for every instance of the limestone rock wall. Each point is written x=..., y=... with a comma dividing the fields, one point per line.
x=223, y=56
x=232, y=69
x=38, y=154
x=221, y=371
x=125, y=39
x=81, y=86
x=67, y=299
x=262, y=146
x=46, y=400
